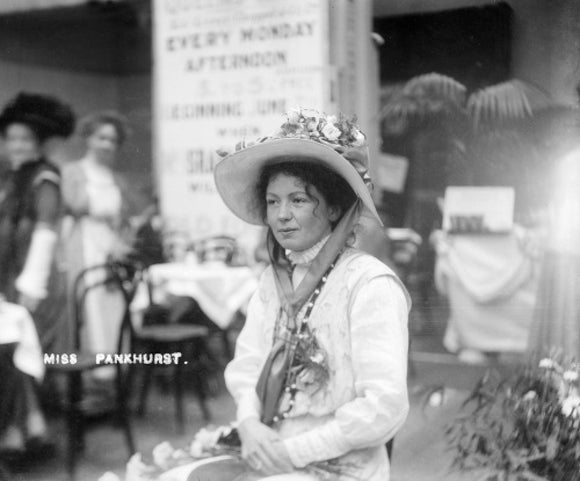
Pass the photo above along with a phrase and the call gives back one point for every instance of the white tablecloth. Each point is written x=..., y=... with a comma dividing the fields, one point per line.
x=17, y=326
x=219, y=289
x=491, y=282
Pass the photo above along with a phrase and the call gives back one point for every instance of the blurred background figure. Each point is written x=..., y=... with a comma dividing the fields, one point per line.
x=148, y=239
x=30, y=208
x=97, y=220
x=556, y=324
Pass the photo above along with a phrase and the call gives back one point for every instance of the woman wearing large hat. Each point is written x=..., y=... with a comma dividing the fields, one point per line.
x=29, y=215
x=319, y=375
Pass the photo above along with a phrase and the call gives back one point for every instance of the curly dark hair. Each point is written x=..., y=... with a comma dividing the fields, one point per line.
x=335, y=190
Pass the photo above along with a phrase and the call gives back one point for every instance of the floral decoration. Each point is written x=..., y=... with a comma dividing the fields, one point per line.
x=340, y=133
x=524, y=428
x=310, y=369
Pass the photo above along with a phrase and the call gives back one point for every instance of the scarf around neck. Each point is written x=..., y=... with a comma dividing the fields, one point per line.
x=272, y=379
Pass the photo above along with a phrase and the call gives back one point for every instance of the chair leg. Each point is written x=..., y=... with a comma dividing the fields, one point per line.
x=122, y=411
x=200, y=392
x=74, y=421
x=148, y=375
x=179, y=397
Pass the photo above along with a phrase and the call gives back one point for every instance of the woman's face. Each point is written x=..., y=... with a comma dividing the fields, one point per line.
x=103, y=143
x=298, y=219
x=21, y=144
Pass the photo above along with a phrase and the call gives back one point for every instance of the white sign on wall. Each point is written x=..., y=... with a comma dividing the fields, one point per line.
x=225, y=70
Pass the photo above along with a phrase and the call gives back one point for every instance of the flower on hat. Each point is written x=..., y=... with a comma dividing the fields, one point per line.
x=339, y=132
x=359, y=138
x=294, y=116
x=311, y=114
x=331, y=132
x=312, y=126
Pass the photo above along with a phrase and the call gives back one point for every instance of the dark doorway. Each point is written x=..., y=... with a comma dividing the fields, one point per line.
x=471, y=45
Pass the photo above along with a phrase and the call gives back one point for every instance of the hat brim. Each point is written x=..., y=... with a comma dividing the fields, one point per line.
x=237, y=175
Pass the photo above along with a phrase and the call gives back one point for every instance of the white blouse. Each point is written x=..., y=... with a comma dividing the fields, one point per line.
x=360, y=320
x=102, y=191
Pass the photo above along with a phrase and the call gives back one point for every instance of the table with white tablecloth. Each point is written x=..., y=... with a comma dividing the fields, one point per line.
x=219, y=289
x=17, y=326
x=491, y=282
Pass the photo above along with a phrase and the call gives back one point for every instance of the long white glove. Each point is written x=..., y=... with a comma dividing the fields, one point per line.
x=33, y=279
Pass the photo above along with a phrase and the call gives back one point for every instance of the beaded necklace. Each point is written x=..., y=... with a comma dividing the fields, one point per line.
x=296, y=335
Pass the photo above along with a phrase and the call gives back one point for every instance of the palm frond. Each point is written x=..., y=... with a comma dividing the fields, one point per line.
x=436, y=85
x=509, y=100
x=422, y=96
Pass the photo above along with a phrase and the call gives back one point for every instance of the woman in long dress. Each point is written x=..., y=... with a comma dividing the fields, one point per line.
x=30, y=214
x=319, y=374
x=94, y=202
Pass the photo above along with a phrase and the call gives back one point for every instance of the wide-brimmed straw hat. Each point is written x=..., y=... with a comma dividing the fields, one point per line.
x=306, y=136
x=47, y=116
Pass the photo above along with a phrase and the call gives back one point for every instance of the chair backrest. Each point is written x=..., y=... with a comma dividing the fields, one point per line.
x=118, y=276
x=216, y=248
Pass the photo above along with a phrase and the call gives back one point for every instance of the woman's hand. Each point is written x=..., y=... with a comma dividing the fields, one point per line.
x=263, y=449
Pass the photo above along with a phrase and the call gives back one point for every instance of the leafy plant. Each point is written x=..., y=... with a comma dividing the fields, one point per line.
x=523, y=428
x=491, y=136
x=437, y=95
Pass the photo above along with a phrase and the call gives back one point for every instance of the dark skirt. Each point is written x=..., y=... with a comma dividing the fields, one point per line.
x=226, y=470
x=53, y=316
x=232, y=469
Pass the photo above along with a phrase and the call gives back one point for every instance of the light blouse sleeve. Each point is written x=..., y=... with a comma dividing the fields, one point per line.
x=379, y=336
x=242, y=373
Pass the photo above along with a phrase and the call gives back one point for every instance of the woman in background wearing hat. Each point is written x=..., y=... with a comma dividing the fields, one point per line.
x=29, y=217
x=319, y=374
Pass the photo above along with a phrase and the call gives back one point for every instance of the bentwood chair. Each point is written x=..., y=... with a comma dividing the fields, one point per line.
x=160, y=335
x=113, y=276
